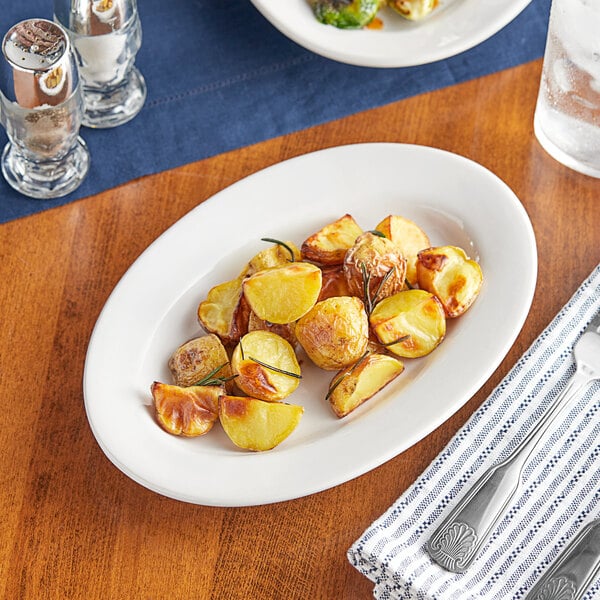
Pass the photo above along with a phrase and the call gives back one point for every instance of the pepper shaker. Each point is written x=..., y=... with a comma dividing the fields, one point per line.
x=106, y=36
x=41, y=107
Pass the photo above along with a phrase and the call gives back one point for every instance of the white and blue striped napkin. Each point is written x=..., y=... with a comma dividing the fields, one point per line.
x=561, y=482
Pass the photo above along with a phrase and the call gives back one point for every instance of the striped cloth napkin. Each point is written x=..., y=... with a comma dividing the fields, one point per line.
x=559, y=495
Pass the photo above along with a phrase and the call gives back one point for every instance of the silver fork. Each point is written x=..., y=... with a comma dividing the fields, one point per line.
x=455, y=543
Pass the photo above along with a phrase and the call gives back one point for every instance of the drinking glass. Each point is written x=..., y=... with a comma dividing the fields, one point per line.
x=106, y=36
x=567, y=115
x=41, y=108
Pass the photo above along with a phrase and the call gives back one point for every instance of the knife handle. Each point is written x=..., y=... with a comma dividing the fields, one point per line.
x=574, y=570
x=457, y=541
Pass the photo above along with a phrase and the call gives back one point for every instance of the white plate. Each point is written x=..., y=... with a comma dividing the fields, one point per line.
x=454, y=26
x=153, y=310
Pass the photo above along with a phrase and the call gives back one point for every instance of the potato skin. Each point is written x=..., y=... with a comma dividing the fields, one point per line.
x=383, y=263
x=186, y=411
x=335, y=332
x=197, y=358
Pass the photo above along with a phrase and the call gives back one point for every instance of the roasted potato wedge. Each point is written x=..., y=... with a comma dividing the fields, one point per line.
x=335, y=332
x=274, y=256
x=257, y=425
x=186, y=411
x=333, y=282
x=374, y=268
x=283, y=294
x=328, y=246
x=409, y=237
x=413, y=317
x=452, y=276
x=356, y=384
x=199, y=357
x=224, y=312
x=266, y=366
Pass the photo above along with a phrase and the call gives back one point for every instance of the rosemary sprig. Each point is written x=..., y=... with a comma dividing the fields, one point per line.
x=210, y=379
x=376, y=232
x=344, y=375
x=398, y=341
x=371, y=301
x=276, y=369
x=280, y=243
x=380, y=286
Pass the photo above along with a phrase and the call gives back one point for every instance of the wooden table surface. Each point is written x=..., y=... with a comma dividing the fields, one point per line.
x=74, y=526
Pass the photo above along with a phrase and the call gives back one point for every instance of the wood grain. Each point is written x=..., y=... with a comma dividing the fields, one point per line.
x=73, y=526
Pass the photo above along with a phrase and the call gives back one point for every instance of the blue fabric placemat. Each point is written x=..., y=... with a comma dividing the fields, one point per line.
x=221, y=77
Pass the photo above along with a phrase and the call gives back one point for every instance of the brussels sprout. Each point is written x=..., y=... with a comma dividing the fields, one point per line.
x=413, y=9
x=345, y=14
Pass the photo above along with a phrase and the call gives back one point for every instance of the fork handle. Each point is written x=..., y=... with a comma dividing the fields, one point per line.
x=456, y=542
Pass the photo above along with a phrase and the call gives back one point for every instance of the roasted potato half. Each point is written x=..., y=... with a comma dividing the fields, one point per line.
x=224, y=312
x=409, y=237
x=266, y=366
x=410, y=323
x=186, y=411
x=452, y=276
x=283, y=294
x=374, y=268
x=257, y=425
x=356, y=384
x=335, y=332
x=199, y=357
x=328, y=246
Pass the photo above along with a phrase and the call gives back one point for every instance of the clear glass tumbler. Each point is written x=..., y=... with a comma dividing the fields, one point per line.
x=41, y=106
x=567, y=115
x=106, y=36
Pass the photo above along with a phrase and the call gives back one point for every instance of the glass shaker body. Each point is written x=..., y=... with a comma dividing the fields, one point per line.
x=106, y=36
x=41, y=109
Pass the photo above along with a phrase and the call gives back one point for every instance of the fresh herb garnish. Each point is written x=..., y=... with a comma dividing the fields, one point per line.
x=210, y=378
x=276, y=369
x=280, y=243
x=398, y=341
x=344, y=375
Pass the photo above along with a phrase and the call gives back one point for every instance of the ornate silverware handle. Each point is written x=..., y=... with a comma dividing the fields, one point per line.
x=574, y=570
x=457, y=541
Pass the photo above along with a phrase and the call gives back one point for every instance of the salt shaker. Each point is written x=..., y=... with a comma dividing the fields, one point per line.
x=106, y=36
x=41, y=107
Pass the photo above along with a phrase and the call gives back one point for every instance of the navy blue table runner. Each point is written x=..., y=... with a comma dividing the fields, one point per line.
x=221, y=77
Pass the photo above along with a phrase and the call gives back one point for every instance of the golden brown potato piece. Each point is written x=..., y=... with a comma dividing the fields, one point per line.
x=410, y=323
x=186, y=411
x=274, y=256
x=409, y=237
x=356, y=384
x=224, y=312
x=333, y=282
x=328, y=246
x=335, y=332
x=447, y=272
x=256, y=425
x=283, y=294
x=285, y=330
x=266, y=366
x=199, y=357
x=374, y=268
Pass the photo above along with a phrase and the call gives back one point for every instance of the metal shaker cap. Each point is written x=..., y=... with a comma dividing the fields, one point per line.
x=38, y=68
